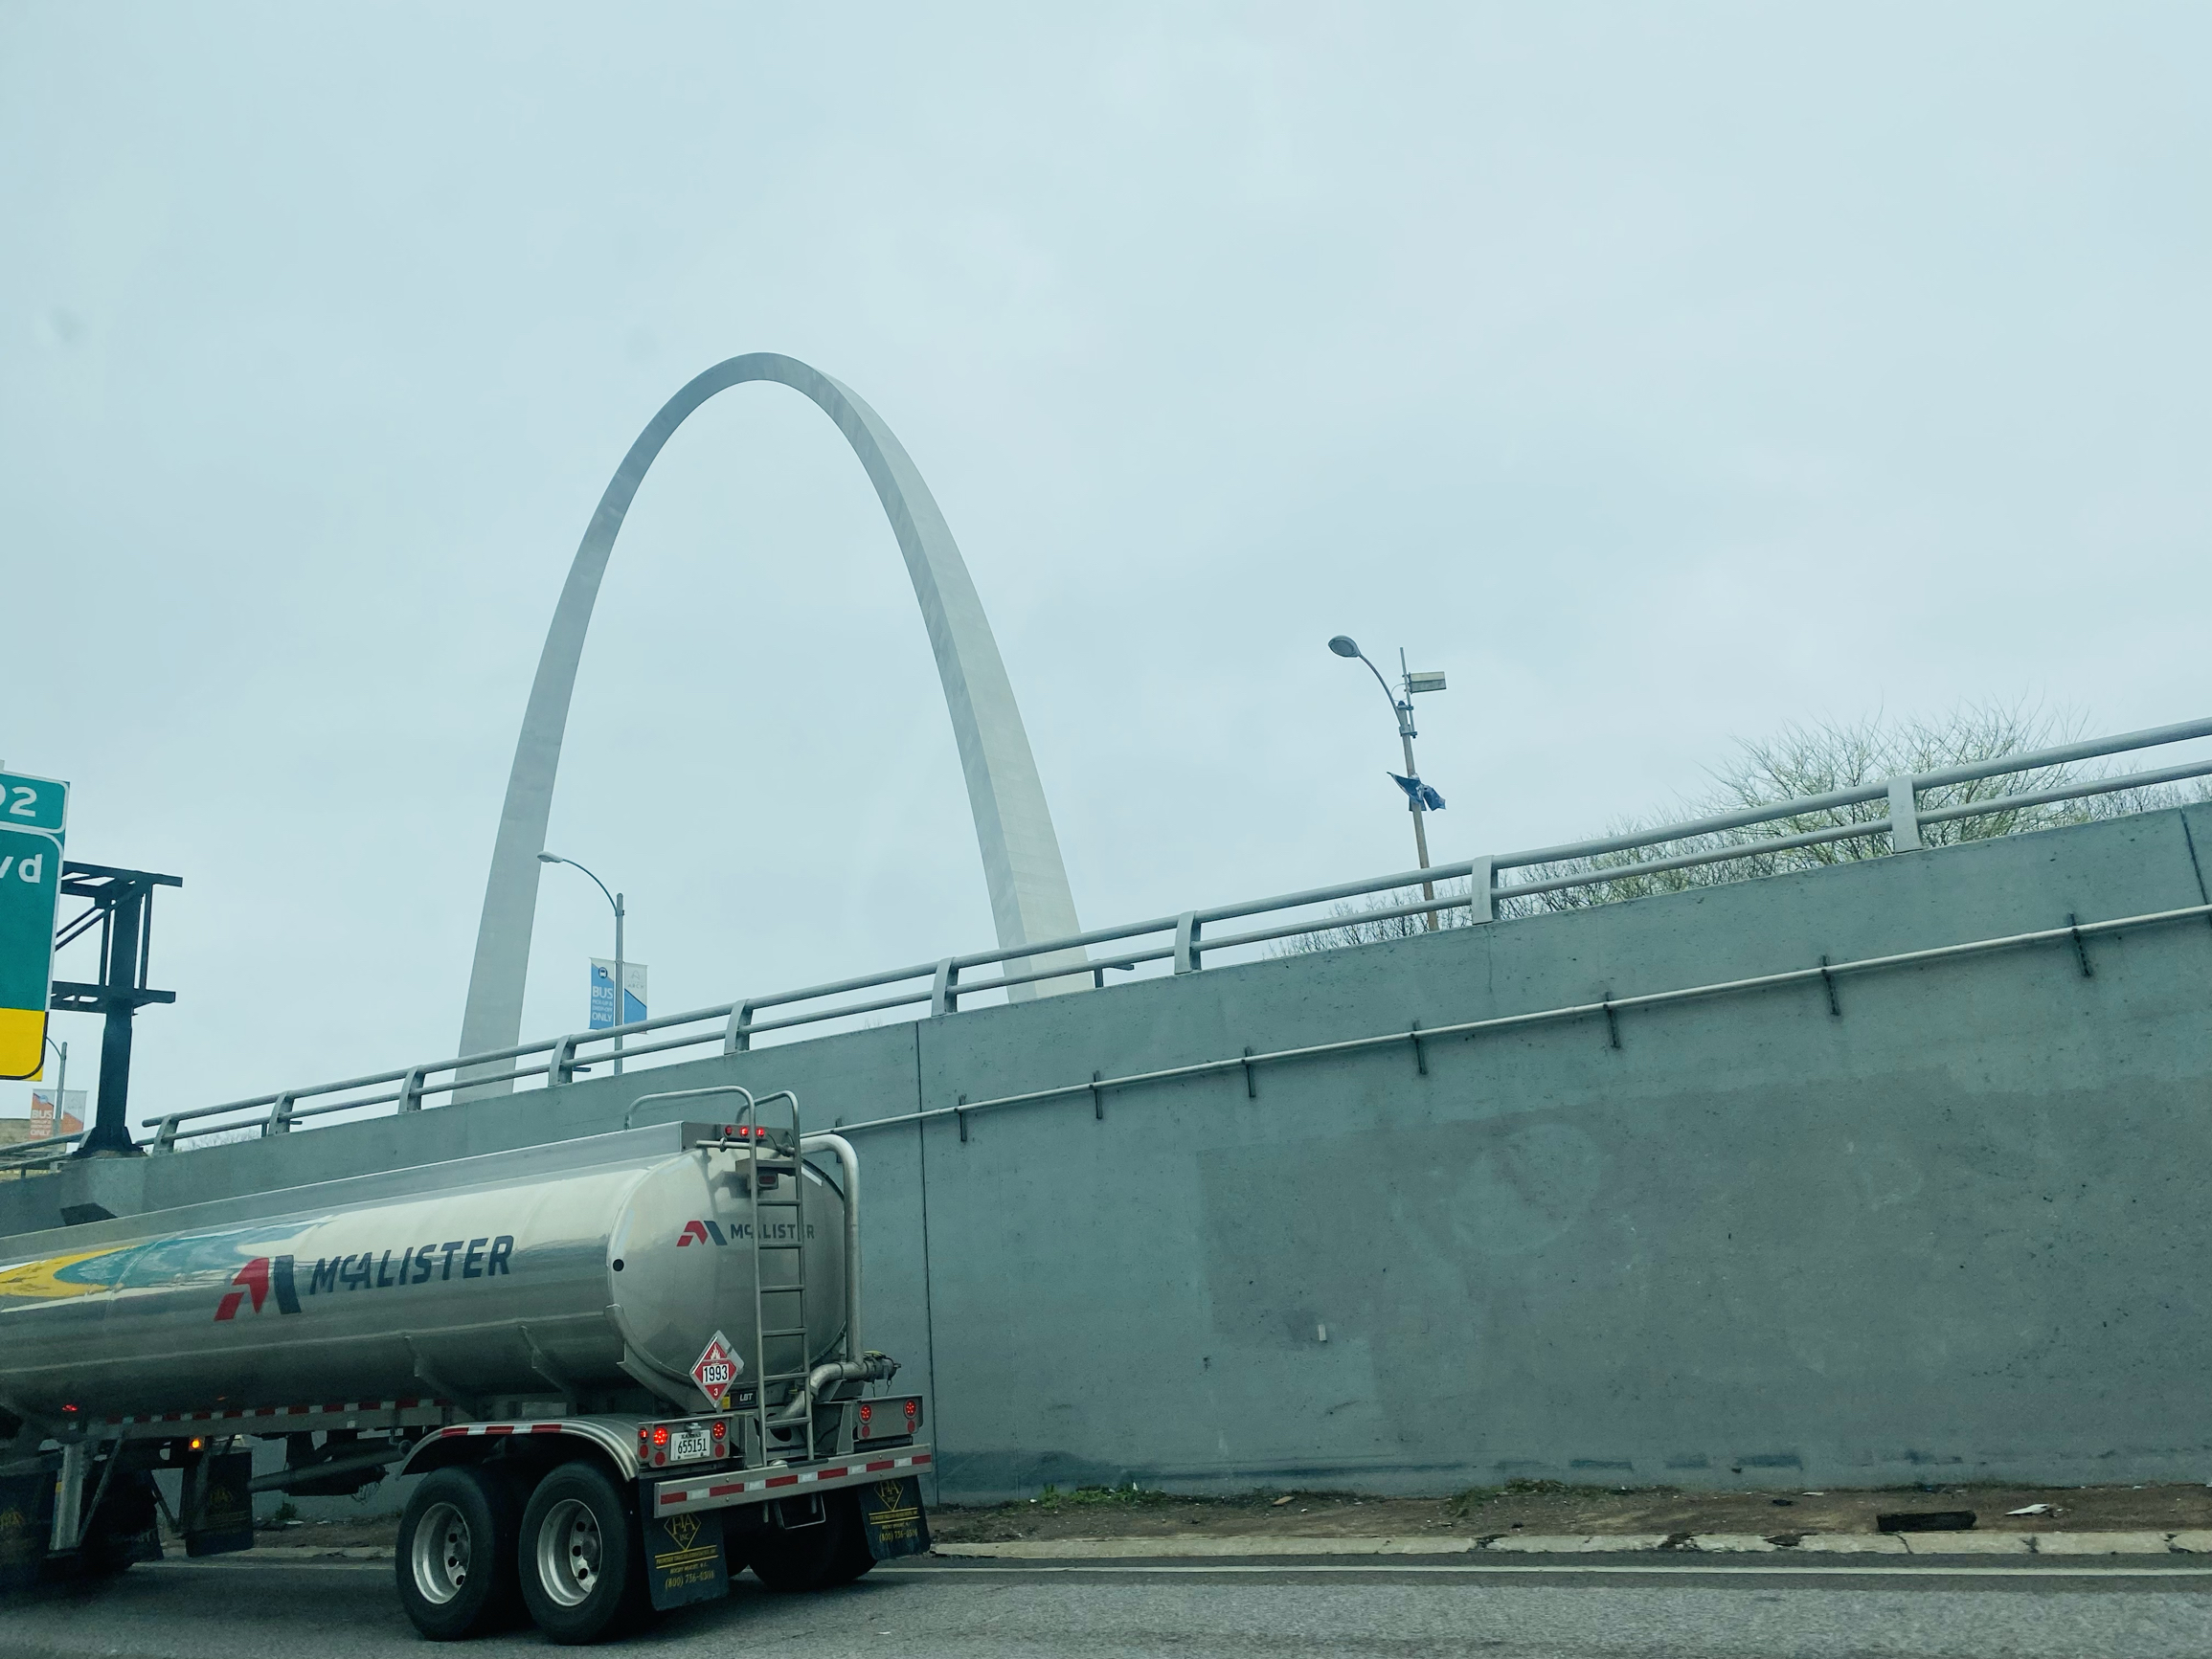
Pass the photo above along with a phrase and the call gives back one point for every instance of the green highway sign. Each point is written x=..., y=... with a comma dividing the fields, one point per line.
x=33, y=811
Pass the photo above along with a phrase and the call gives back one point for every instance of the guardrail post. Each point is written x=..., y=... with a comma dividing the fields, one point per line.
x=165, y=1137
x=1482, y=889
x=411, y=1088
x=280, y=1119
x=1903, y=816
x=1186, y=942
x=945, y=998
x=738, y=1038
x=560, y=1069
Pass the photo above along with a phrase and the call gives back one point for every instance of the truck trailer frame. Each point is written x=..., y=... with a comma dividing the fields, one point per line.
x=584, y=1521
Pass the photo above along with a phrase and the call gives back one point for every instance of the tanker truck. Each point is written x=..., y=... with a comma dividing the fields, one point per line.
x=625, y=1367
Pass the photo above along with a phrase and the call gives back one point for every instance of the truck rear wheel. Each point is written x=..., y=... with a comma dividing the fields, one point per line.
x=456, y=1556
x=811, y=1557
x=123, y=1529
x=854, y=1559
x=583, y=1576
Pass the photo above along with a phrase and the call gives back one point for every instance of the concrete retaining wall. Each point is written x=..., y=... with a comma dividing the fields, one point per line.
x=1961, y=1230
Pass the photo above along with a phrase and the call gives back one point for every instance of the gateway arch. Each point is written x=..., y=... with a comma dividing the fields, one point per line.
x=1029, y=884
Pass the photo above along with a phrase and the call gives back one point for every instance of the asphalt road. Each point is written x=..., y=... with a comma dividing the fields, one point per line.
x=2142, y=1608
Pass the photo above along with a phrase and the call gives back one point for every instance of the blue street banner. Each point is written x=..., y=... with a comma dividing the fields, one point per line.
x=1418, y=792
x=603, y=994
x=51, y=1116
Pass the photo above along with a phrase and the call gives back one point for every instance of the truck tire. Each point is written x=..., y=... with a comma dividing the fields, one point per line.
x=579, y=1556
x=803, y=1558
x=121, y=1530
x=854, y=1559
x=456, y=1557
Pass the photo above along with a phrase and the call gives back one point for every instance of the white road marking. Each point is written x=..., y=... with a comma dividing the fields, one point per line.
x=1931, y=1569
x=1690, y=1568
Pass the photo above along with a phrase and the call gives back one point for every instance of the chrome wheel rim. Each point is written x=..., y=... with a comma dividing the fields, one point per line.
x=568, y=1553
x=439, y=1559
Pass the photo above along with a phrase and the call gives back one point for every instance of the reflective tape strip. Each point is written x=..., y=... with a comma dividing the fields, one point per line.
x=671, y=1496
x=340, y=1409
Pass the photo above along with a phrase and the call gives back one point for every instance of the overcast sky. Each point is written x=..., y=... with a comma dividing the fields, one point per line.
x=1663, y=375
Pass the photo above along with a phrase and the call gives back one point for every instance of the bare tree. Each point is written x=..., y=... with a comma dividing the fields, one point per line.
x=1812, y=760
x=1358, y=924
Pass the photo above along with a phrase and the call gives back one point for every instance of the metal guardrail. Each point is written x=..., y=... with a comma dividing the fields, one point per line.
x=30, y=1154
x=1182, y=940
x=1826, y=974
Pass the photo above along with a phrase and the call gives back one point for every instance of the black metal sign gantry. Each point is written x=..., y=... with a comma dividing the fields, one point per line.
x=121, y=905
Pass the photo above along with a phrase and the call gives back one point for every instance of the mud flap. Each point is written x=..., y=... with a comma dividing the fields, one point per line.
x=684, y=1558
x=891, y=1511
x=221, y=1515
x=26, y=1506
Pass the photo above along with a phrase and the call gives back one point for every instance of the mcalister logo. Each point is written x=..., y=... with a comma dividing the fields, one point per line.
x=254, y=1280
x=416, y=1265
x=700, y=1232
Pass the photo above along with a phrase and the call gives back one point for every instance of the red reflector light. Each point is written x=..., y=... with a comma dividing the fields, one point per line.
x=659, y=1458
x=660, y=1434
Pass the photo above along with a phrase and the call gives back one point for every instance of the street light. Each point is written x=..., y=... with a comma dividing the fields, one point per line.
x=620, y=985
x=60, y=1084
x=1402, y=708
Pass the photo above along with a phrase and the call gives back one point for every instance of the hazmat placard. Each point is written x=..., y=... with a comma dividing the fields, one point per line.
x=716, y=1370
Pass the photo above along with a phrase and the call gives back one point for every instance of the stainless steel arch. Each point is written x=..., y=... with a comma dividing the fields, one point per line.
x=1022, y=867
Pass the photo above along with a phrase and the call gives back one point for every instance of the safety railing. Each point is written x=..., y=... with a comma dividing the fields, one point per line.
x=1181, y=943
x=30, y=1154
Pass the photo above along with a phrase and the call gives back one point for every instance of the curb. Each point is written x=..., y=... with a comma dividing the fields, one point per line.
x=2180, y=1543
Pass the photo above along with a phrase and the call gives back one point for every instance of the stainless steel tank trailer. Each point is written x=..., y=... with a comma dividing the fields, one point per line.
x=627, y=1367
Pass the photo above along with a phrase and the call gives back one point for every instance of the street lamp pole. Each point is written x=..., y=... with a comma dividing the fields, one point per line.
x=621, y=986
x=61, y=1086
x=1402, y=708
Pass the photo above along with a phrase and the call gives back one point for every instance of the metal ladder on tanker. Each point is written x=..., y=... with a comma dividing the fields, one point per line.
x=785, y=1162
